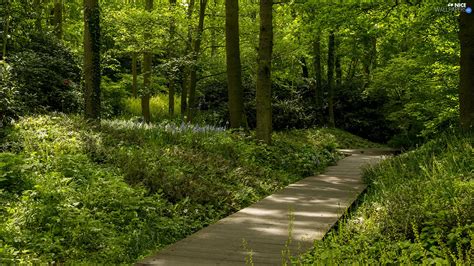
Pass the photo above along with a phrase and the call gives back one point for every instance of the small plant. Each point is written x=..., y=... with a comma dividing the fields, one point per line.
x=249, y=251
x=286, y=253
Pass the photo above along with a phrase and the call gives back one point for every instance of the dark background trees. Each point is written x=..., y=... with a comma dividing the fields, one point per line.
x=391, y=75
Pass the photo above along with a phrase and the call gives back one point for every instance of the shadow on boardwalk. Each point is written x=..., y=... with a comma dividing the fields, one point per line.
x=284, y=223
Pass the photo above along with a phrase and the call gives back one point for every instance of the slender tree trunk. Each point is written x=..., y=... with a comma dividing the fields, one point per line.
x=147, y=65
x=374, y=52
x=352, y=68
x=466, y=85
x=264, y=82
x=6, y=28
x=370, y=59
x=38, y=14
x=213, y=29
x=58, y=18
x=134, y=75
x=304, y=68
x=318, y=90
x=171, y=86
x=338, y=71
x=192, y=108
x=331, y=79
x=234, y=68
x=186, y=83
x=92, y=59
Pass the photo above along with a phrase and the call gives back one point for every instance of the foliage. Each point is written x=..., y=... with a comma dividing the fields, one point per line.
x=46, y=76
x=418, y=209
x=114, y=95
x=158, y=107
x=10, y=105
x=72, y=192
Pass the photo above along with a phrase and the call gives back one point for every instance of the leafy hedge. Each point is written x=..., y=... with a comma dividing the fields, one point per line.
x=73, y=192
x=418, y=209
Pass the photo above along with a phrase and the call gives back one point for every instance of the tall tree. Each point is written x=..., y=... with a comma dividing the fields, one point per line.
x=466, y=86
x=370, y=58
x=192, y=107
x=58, y=18
x=331, y=52
x=264, y=82
x=92, y=74
x=147, y=65
x=171, y=78
x=134, y=75
x=38, y=14
x=338, y=69
x=234, y=68
x=6, y=29
x=187, y=70
x=318, y=90
x=214, y=27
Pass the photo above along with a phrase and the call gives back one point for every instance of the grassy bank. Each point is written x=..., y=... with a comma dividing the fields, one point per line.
x=73, y=192
x=158, y=106
x=419, y=208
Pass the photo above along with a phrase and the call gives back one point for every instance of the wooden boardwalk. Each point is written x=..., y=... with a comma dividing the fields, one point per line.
x=286, y=222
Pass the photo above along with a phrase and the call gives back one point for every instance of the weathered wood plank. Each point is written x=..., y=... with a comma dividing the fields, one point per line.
x=314, y=204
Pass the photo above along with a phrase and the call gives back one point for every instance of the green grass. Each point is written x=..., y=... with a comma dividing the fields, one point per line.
x=347, y=140
x=79, y=193
x=158, y=106
x=419, y=209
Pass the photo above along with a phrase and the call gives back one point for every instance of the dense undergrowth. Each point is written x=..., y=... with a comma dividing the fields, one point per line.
x=77, y=192
x=418, y=209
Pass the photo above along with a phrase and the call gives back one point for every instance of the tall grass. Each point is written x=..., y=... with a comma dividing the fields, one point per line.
x=158, y=106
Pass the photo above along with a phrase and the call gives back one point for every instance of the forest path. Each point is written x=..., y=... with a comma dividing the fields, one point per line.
x=310, y=207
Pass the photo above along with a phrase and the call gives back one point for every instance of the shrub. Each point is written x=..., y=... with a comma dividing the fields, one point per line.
x=10, y=105
x=46, y=76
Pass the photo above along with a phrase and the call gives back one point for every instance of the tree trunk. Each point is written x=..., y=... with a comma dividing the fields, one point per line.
x=6, y=28
x=370, y=59
x=134, y=75
x=186, y=83
x=338, y=70
x=331, y=79
x=38, y=14
x=264, y=83
x=171, y=89
x=197, y=49
x=318, y=90
x=214, y=25
x=147, y=64
x=234, y=68
x=304, y=68
x=58, y=18
x=351, y=71
x=92, y=59
x=466, y=85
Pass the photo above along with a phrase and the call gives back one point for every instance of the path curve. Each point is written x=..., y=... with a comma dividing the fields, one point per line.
x=310, y=207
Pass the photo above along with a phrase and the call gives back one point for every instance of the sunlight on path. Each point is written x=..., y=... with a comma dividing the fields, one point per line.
x=286, y=222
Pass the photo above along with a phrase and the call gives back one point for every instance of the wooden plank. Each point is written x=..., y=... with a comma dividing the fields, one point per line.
x=314, y=204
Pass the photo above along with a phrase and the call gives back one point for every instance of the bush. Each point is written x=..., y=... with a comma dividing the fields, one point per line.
x=114, y=95
x=10, y=105
x=47, y=76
